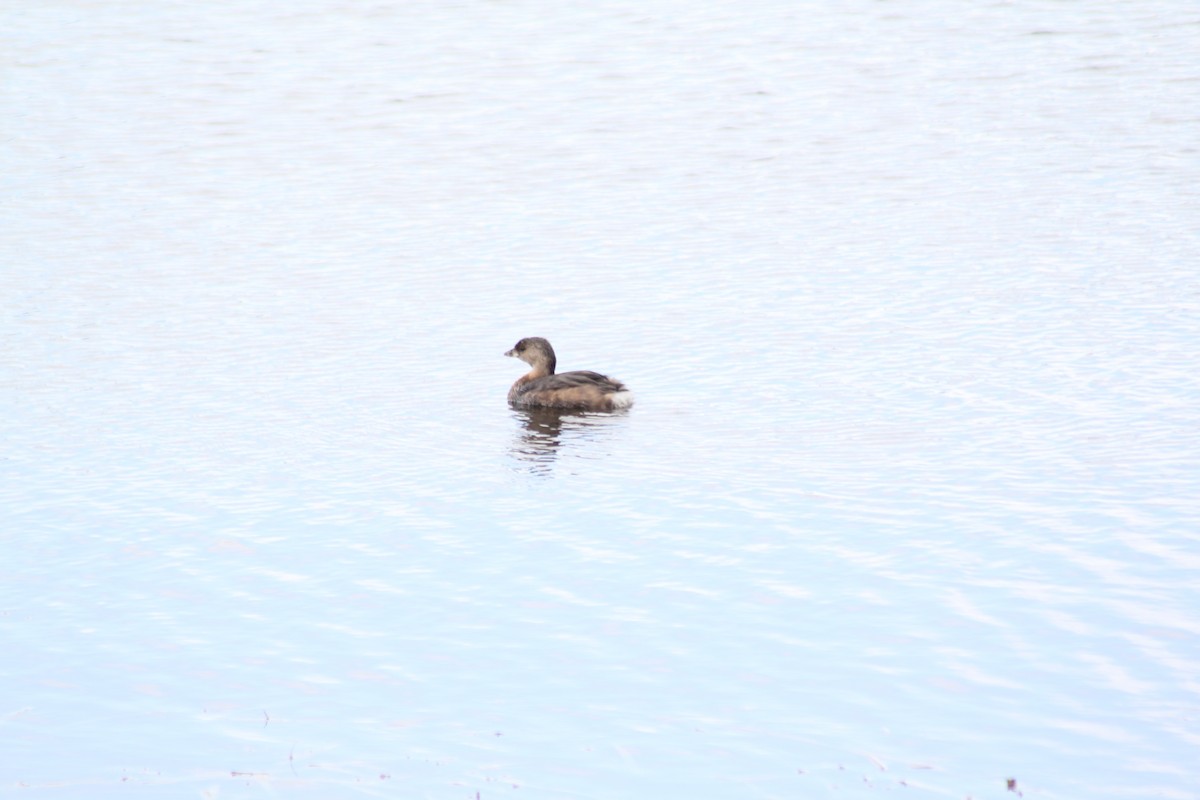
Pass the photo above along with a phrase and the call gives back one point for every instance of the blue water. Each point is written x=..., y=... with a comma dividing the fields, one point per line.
x=906, y=506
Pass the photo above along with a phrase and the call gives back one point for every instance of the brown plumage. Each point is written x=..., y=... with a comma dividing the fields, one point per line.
x=543, y=388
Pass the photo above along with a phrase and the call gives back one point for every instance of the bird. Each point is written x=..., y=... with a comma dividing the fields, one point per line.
x=542, y=387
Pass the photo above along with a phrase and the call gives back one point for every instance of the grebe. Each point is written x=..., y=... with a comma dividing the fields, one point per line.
x=542, y=388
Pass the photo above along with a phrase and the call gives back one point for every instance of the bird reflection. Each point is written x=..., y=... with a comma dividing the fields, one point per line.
x=548, y=431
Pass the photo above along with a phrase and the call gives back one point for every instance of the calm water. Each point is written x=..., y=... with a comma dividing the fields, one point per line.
x=908, y=293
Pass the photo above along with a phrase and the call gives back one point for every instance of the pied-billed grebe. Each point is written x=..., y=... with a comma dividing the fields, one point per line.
x=542, y=388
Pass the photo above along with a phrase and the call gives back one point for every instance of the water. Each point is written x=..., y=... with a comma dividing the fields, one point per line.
x=907, y=506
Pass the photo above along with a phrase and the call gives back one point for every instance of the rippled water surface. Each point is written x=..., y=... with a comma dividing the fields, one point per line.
x=908, y=503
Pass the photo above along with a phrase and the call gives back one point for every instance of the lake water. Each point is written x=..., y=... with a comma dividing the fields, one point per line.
x=907, y=292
